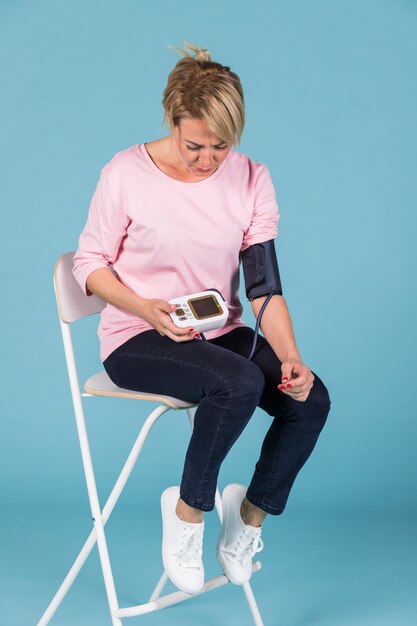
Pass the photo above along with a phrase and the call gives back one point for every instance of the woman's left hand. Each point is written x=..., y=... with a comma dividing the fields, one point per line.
x=296, y=380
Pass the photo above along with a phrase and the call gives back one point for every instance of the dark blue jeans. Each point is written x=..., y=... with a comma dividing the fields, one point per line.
x=227, y=387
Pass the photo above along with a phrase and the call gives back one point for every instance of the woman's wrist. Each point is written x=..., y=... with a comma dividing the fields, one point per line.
x=293, y=357
x=137, y=304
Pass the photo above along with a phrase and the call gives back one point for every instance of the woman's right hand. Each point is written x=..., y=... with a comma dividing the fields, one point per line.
x=156, y=313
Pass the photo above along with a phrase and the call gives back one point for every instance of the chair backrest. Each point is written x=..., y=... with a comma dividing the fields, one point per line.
x=73, y=303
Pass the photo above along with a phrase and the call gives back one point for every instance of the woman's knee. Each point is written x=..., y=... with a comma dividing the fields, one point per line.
x=245, y=379
x=318, y=403
x=251, y=379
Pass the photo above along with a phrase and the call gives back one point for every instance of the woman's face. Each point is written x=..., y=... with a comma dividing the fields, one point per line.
x=199, y=150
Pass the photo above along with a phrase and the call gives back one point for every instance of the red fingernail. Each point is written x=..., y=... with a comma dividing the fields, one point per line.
x=285, y=378
x=289, y=385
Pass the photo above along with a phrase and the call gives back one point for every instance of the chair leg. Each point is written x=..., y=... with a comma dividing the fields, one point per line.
x=107, y=571
x=191, y=413
x=107, y=510
x=252, y=604
x=159, y=587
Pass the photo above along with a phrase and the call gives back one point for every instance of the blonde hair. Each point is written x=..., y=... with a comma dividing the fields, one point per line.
x=203, y=89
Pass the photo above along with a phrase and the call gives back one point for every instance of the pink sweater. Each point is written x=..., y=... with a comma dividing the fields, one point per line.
x=166, y=238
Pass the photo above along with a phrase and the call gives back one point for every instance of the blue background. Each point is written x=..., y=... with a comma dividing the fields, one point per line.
x=331, y=105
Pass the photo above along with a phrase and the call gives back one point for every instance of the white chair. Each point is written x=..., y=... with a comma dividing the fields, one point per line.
x=73, y=305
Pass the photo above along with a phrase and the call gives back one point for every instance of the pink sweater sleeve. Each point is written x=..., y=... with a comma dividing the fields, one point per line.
x=106, y=226
x=264, y=222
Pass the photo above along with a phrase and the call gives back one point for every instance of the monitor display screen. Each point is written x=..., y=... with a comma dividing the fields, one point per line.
x=205, y=307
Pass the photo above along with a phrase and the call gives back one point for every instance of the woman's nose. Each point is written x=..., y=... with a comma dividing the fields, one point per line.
x=205, y=159
x=204, y=163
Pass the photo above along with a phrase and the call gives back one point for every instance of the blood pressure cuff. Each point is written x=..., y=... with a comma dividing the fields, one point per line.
x=260, y=270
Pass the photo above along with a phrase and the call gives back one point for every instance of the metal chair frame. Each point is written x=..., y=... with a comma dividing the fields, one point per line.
x=73, y=305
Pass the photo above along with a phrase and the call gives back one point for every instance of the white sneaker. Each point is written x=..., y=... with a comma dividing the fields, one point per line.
x=238, y=542
x=182, y=546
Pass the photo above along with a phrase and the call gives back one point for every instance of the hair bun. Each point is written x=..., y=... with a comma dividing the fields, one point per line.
x=203, y=54
x=200, y=54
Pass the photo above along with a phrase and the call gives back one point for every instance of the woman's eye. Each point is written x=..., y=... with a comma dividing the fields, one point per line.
x=197, y=148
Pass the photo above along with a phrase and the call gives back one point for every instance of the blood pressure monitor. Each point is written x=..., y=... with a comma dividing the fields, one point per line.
x=207, y=310
x=203, y=311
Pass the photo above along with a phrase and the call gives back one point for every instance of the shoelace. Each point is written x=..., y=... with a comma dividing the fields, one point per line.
x=248, y=544
x=190, y=546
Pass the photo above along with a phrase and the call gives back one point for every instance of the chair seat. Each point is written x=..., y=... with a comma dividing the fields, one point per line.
x=101, y=385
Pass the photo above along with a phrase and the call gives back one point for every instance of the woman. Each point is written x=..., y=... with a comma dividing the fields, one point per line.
x=172, y=217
